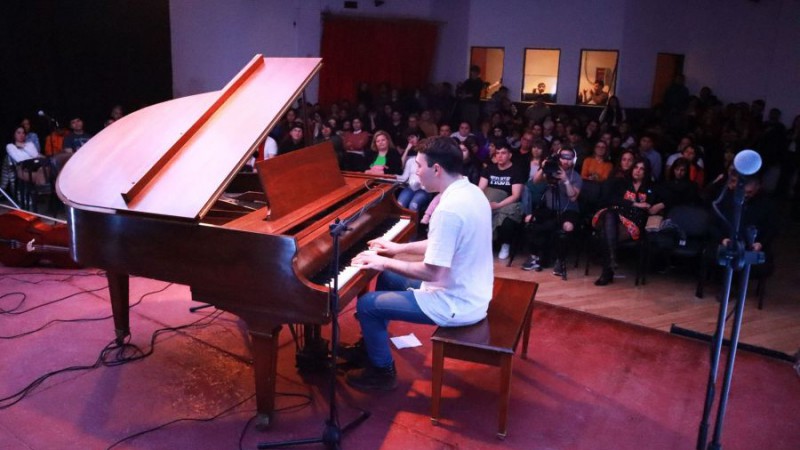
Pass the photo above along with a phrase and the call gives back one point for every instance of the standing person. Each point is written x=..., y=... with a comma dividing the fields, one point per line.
x=613, y=114
x=470, y=96
x=451, y=286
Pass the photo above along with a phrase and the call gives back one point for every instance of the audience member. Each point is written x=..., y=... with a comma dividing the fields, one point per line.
x=677, y=188
x=18, y=151
x=293, y=140
x=595, y=96
x=613, y=113
x=502, y=183
x=383, y=158
x=30, y=136
x=464, y=131
x=597, y=168
x=647, y=150
x=77, y=137
x=630, y=205
x=413, y=196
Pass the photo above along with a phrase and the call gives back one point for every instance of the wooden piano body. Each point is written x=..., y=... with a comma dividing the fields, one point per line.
x=143, y=196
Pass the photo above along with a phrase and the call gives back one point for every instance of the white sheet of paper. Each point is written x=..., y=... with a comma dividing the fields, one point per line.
x=406, y=341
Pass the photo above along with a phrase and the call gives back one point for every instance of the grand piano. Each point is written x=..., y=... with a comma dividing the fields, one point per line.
x=146, y=197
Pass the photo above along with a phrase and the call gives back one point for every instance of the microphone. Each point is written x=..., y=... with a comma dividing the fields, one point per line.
x=43, y=114
x=747, y=162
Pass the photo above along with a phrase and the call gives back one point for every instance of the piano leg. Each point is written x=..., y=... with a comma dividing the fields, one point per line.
x=118, y=288
x=265, y=362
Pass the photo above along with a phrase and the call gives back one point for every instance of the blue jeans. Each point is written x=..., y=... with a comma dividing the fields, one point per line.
x=414, y=200
x=390, y=301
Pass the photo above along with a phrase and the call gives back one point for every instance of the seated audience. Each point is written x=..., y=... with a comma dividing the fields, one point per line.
x=19, y=151
x=678, y=189
x=383, y=158
x=77, y=137
x=413, y=196
x=598, y=167
x=502, y=183
x=30, y=136
x=293, y=140
x=631, y=203
x=355, y=141
x=556, y=216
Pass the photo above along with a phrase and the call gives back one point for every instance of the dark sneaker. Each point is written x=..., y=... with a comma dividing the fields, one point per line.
x=558, y=268
x=373, y=378
x=531, y=264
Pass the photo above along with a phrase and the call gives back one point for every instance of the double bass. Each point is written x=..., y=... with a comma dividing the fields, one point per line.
x=27, y=240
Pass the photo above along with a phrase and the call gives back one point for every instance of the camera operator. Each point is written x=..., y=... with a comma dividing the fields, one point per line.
x=559, y=212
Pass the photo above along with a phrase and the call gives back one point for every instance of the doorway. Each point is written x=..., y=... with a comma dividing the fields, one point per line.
x=668, y=65
x=490, y=60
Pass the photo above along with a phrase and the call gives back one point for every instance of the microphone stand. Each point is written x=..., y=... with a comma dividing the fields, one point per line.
x=734, y=257
x=332, y=432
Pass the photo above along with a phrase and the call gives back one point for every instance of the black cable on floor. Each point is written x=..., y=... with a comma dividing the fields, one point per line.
x=112, y=355
x=87, y=319
x=14, y=311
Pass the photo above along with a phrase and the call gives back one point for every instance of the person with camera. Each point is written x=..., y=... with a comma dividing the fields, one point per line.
x=558, y=213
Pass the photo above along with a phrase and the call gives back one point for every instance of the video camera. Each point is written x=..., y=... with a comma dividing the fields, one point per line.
x=550, y=168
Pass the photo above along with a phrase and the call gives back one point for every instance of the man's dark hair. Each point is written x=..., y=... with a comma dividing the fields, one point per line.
x=542, y=144
x=444, y=152
x=501, y=143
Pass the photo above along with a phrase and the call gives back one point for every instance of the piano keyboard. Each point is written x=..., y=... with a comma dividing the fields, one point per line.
x=347, y=271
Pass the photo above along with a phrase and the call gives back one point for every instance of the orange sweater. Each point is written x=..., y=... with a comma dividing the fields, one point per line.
x=596, y=170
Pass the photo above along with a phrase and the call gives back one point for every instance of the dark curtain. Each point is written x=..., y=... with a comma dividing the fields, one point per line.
x=399, y=52
x=81, y=58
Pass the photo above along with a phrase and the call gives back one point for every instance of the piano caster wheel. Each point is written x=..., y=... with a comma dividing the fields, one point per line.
x=434, y=421
x=501, y=436
x=263, y=422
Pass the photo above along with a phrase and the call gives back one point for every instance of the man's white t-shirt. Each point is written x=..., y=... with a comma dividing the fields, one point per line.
x=459, y=238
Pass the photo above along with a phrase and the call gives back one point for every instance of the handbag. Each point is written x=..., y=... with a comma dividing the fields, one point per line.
x=654, y=223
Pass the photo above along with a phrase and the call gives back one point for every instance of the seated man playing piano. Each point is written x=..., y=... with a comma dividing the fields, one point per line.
x=451, y=286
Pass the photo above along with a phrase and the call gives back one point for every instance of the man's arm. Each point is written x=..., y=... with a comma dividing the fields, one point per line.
x=389, y=248
x=418, y=270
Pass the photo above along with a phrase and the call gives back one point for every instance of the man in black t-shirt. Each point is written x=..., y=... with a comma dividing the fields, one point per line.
x=503, y=182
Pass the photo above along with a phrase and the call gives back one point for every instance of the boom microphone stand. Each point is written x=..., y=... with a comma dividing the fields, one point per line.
x=332, y=433
x=734, y=257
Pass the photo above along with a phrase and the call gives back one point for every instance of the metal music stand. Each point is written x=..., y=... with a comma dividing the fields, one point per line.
x=332, y=432
x=734, y=257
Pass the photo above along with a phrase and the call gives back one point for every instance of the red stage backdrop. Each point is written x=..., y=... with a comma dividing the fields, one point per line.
x=353, y=50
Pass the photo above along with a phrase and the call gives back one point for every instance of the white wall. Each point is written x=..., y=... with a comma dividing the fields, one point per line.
x=742, y=49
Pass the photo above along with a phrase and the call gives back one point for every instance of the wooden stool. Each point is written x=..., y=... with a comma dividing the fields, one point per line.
x=491, y=341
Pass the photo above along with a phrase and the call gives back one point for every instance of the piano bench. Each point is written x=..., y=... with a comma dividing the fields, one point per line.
x=492, y=341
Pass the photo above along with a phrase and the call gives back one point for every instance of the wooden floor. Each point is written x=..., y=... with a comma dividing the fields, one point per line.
x=669, y=298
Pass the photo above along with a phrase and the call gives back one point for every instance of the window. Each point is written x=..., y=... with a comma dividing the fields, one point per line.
x=490, y=61
x=597, y=78
x=540, y=75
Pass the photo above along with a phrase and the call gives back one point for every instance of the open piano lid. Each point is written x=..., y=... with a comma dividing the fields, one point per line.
x=175, y=158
